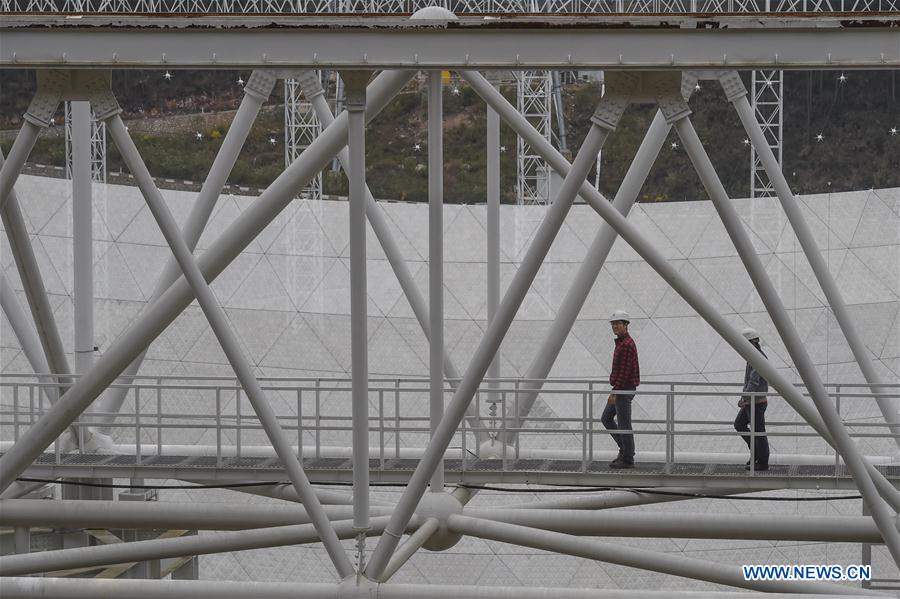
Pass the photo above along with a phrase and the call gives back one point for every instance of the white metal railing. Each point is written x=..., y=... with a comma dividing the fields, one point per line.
x=211, y=416
x=400, y=7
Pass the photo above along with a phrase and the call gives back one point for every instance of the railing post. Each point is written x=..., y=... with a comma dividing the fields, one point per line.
x=318, y=419
x=519, y=425
x=464, y=450
x=15, y=411
x=159, y=443
x=381, y=426
x=670, y=428
x=397, y=419
x=837, y=407
x=237, y=418
x=137, y=426
x=218, y=427
x=584, y=431
x=300, y=423
x=590, y=439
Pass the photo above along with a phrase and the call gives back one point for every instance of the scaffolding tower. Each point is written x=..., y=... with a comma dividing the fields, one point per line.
x=768, y=104
x=98, y=146
x=301, y=127
x=533, y=102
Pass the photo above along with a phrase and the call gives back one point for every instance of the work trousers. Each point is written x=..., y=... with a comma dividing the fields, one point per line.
x=617, y=416
x=742, y=425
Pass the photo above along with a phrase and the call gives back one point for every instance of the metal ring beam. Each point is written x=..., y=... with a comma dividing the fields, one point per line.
x=472, y=44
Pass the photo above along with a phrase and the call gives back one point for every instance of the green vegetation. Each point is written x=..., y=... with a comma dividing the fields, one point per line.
x=854, y=118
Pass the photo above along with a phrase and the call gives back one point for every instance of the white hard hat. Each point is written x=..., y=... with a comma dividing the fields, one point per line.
x=620, y=315
x=750, y=334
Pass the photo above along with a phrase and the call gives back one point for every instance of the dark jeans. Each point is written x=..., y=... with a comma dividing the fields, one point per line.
x=618, y=416
x=742, y=425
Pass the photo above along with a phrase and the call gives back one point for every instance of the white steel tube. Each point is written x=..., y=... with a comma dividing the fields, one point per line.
x=286, y=492
x=256, y=91
x=659, y=263
x=881, y=512
x=33, y=283
x=73, y=513
x=487, y=348
x=162, y=312
x=493, y=229
x=18, y=154
x=31, y=345
x=614, y=499
x=436, y=263
x=82, y=237
x=229, y=343
x=789, y=203
x=684, y=525
x=412, y=544
x=655, y=561
x=91, y=588
x=136, y=551
x=355, y=82
x=312, y=88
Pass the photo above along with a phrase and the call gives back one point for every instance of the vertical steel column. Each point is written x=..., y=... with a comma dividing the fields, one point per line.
x=359, y=338
x=603, y=121
x=590, y=268
x=493, y=227
x=852, y=456
x=312, y=88
x=436, y=262
x=659, y=263
x=256, y=92
x=229, y=343
x=170, y=304
x=737, y=95
x=82, y=236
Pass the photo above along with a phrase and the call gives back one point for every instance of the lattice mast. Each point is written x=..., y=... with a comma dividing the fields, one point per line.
x=98, y=146
x=768, y=105
x=301, y=127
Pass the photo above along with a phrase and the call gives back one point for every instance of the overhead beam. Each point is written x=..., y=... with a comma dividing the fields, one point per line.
x=378, y=43
x=87, y=588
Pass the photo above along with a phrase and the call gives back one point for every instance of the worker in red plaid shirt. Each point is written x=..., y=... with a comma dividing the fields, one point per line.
x=625, y=375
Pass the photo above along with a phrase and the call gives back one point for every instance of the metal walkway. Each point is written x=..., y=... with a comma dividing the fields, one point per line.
x=473, y=471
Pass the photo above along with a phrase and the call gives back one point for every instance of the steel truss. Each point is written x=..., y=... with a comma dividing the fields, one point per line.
x=444, y=516
x=301, y=127
x=768, y=105
x=98, y=146
x=532, y=183
x=457, y=6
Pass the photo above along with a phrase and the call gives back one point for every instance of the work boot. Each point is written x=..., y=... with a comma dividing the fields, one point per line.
x=621, y=462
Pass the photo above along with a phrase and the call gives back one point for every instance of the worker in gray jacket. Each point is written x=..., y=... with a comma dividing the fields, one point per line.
x=754, y=383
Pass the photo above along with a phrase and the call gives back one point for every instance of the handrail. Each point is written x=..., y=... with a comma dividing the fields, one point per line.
x=158, y=416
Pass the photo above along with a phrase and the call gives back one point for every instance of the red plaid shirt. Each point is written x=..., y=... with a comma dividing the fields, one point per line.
x=626, y=372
